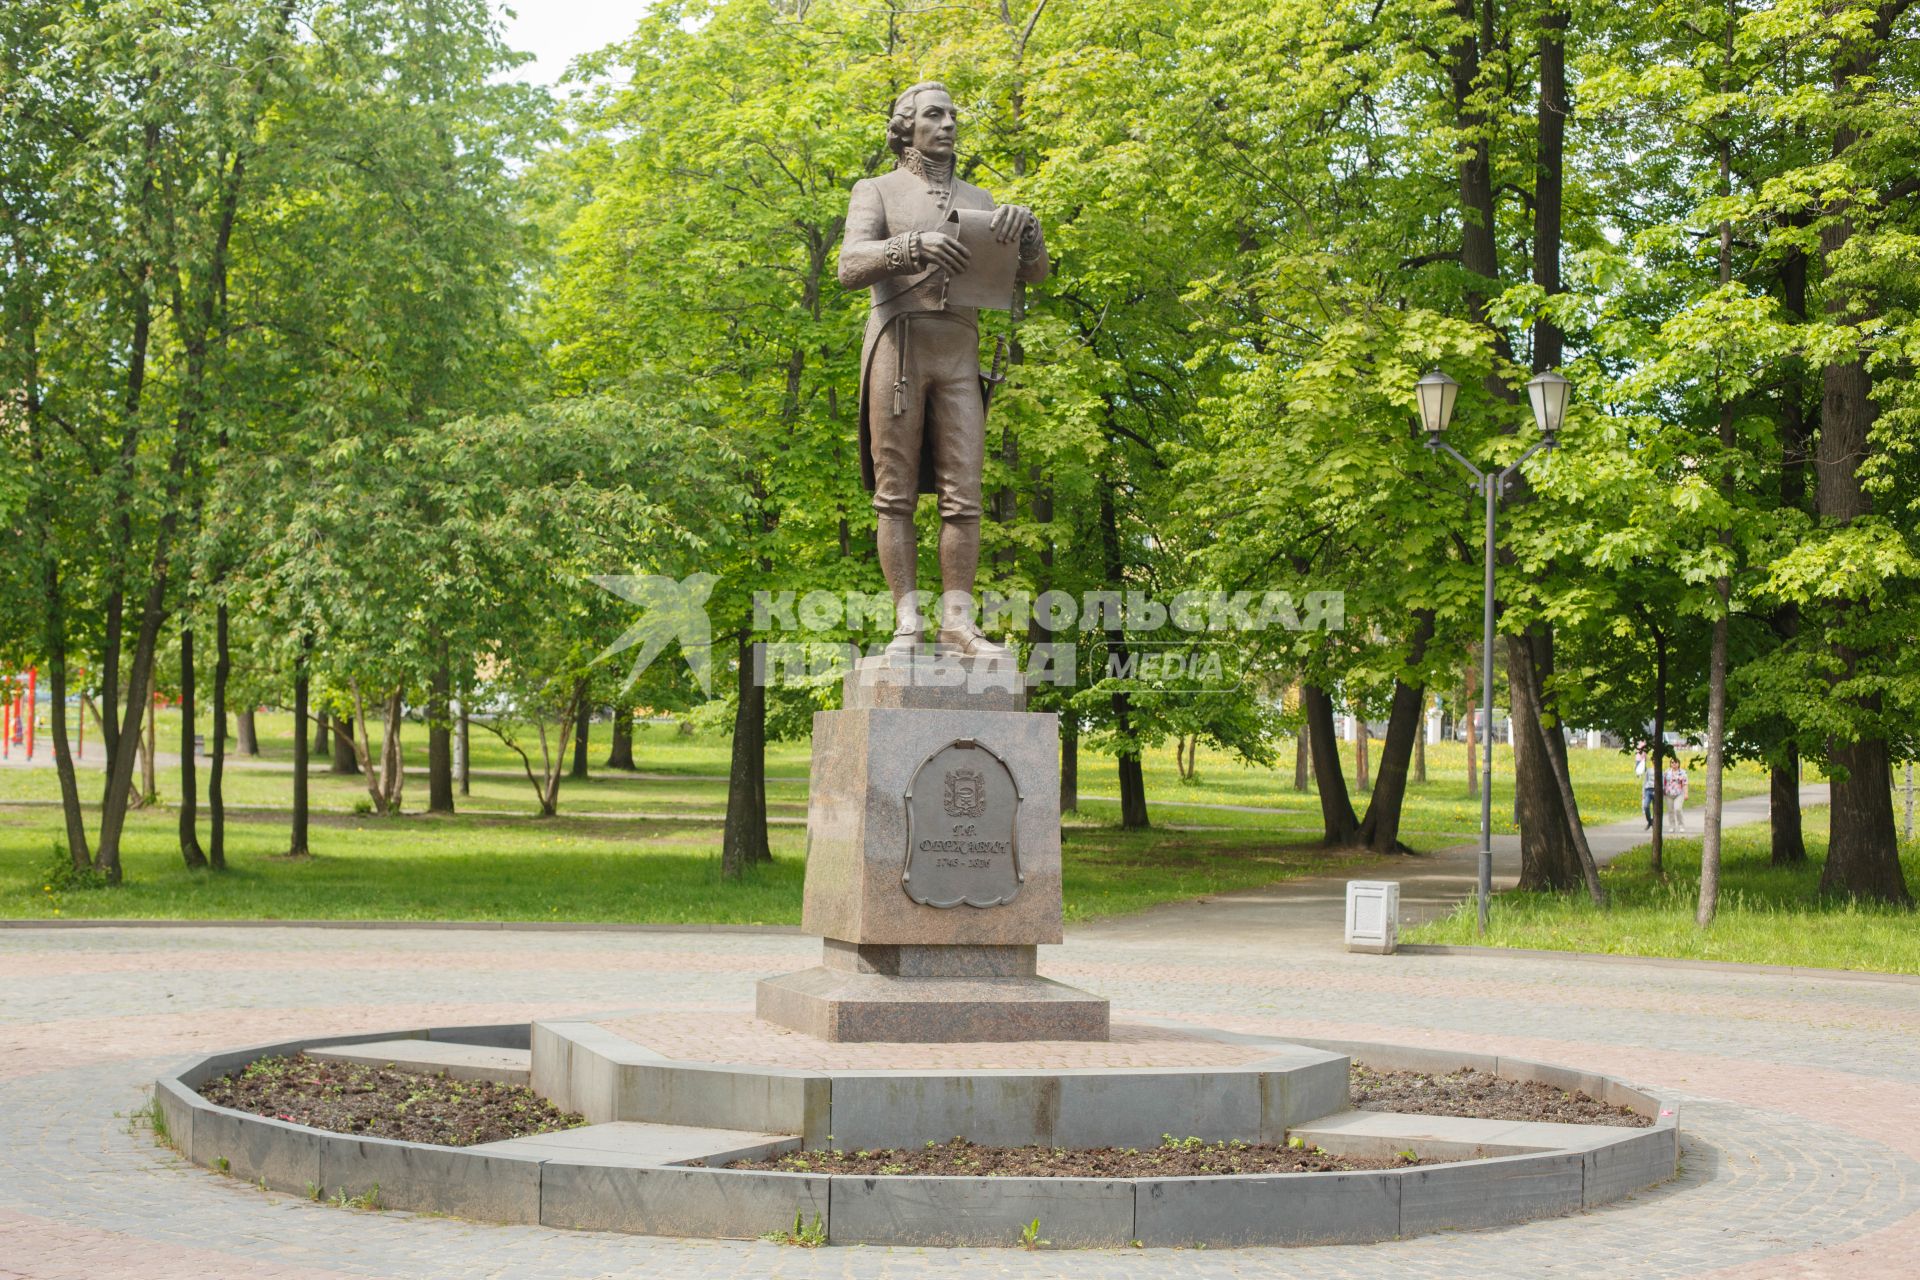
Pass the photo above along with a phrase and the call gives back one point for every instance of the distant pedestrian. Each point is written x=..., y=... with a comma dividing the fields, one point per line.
x=1676, y=789
x=1649, y=783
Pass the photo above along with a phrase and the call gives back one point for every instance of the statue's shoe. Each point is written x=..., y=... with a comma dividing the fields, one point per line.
x=969, y=643
x=905, y=643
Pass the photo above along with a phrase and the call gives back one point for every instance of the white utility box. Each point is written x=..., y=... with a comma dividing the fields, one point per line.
x=1373, y=916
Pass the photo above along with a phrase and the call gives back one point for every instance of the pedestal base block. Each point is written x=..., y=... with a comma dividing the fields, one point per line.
x=842, y=1005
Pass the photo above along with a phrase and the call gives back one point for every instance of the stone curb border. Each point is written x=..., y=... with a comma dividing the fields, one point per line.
x=678, y=1200
x=582, y=1066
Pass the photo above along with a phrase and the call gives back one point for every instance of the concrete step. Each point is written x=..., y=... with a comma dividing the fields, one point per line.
x=632, y=1143
x=431, y=1057
x=1382, y=1133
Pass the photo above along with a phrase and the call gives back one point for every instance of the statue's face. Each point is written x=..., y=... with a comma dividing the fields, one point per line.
x=935, y=123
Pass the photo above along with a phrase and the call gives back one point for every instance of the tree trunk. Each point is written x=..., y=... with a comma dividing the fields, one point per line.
x=1301, y=757
x=1789, y=839
x=322, y=733
x=297, y=838
x=552, y=765
x=1863, y=852
x=1133, y=782
x=247, y=732
x=1133, y=794
x=1550, y=130
x=56, y=636
x=744, y=840
x=53, y=598
x=393, y=775
x=465, y=731
x=620, y=750
x=1548, y=857
x=1576, y=831
x=440, y=739
x=1069, y=760
x=216, y=773
x=1710, y=848
x=345, y=760
x=1339, y=826
x=1710, y=828
x=110, y=687
x=1380, y=829
x=582, y=725
x=1420, y=747
x=1362, y=735
x=1186, y=755
x=386, y=774
x=190, y=850
x=149, y=783
x=1659, y=753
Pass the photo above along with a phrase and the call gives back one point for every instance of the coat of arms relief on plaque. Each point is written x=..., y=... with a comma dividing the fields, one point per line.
x=962, y=822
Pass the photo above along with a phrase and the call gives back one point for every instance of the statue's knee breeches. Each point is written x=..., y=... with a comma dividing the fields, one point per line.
x=937, y=393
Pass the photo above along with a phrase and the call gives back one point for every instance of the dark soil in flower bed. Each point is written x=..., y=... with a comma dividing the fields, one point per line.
x=1480, y=1096
x=376, y=1102
x=1173, y=1158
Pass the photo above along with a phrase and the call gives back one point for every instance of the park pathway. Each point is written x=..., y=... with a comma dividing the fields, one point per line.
x=1430, y=884
x=1800, y=1093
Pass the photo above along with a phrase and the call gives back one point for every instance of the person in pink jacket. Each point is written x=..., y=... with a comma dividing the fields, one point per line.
x=1676, y=788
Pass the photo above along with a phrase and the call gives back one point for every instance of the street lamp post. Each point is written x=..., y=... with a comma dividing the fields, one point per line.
x=1436, y=393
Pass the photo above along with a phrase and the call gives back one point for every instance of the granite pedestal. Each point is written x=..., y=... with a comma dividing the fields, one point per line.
x=933, y=863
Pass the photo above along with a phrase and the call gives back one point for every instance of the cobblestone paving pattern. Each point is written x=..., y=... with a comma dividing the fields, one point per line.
x=1800, y=1098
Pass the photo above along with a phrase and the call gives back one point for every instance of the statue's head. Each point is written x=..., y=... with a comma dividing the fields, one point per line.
x=923, y=118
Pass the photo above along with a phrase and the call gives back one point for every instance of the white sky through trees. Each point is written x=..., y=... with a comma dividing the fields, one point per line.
x=558, y=31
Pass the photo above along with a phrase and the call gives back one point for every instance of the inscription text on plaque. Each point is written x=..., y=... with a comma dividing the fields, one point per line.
x=962, y=810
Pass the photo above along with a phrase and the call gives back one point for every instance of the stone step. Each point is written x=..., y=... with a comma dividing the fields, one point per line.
x=1382, y=1133
x=632, y=1143
x=431, y=1057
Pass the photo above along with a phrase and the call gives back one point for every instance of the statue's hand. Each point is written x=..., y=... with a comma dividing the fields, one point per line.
x=1011, y=222
x=943, y=250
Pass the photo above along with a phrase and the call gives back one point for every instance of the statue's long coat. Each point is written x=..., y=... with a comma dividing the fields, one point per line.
x=880, y=209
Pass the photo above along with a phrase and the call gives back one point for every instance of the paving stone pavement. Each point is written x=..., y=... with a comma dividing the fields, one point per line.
x=1800, y=1097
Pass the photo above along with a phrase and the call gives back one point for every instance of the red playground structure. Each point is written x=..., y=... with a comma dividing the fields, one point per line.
x=17, y=713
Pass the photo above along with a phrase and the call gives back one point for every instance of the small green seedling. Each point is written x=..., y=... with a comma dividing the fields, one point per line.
x=314, y=1191
x=1030, y=1236
x=222, y=1164
x=155, y=1119
x=801, y=1234
x=368, y=1199
x=1409, y=1155
x=1297, y=1144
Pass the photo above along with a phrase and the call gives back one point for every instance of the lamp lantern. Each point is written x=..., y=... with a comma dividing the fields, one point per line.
x=1549, y=392
x=1436, y=393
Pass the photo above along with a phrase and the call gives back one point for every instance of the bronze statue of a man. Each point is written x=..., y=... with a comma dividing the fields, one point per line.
x=923, y=420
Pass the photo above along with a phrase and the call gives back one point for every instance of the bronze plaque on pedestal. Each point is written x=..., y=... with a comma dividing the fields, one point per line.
x=962, y=806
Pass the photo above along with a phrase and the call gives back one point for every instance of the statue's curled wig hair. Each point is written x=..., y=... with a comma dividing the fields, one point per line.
x=900, y=124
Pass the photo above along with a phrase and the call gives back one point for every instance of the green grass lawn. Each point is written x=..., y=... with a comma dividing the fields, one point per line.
x=496, y=861
x=585, y=869
x=1767, y=915
x=686, y=771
